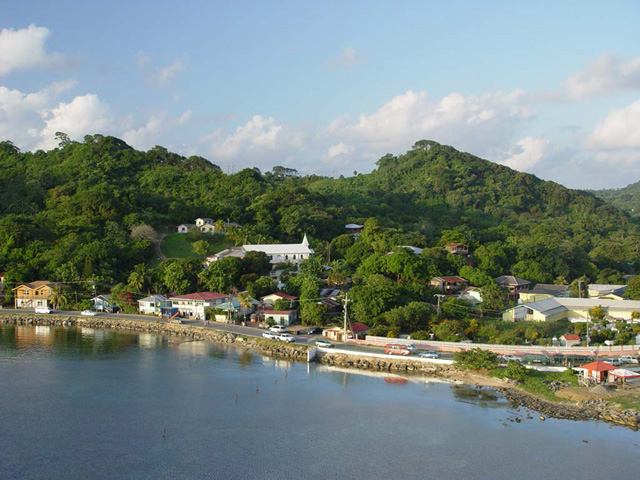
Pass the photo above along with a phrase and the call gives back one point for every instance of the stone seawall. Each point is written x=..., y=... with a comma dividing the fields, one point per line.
x=265, y=346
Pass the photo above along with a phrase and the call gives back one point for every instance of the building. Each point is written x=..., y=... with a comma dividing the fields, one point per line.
x=471, y=295
x=577, y=309
x=570, y=340
x=206, y=225
x=514, y=284
x=414, y=250
x=457, y=248
x=195, y=304
x=449, y=284
x=281, y=317
x=34, y=294
x=354, y=229
x=360, y=330
x=610, y=292
x=185, y=227
x=283, y=253
x=596, y=372
x=542, y=291
x=270, y=300
x=152, y=305
x=102, y=303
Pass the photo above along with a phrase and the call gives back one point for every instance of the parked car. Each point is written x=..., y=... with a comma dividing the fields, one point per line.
x=323, y=343
x=429, y=354
x=314, y=331
x=278, y=329
x=511, y=358
x=88, y=313
x=628, y=359
x=616, y=362
x=412, y=348
x=175, y=320
x=286, y=337
x=269, y=335
x=43, y=310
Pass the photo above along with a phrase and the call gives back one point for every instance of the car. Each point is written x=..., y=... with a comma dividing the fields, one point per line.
x=176, y=321
x=429, y=354
x=43, y=310
x=396, y=349
x=323, y=343
x=616, y=362
x=511, y=358
x=286, y=337
x=411, y=347
x=88, y=313
x=314, y=331
x=277, y=329
x=628, y=359
x=269, y=335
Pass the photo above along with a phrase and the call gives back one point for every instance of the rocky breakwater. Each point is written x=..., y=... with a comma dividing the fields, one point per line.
x=267, y=347
x=591, y=410
x=391, y=364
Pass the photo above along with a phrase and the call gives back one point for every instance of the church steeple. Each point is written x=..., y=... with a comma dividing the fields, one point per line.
x=305, y=242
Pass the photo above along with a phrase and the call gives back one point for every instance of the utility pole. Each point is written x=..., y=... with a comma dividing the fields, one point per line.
x=580, y=287
x=346, y=302
x=439, y=296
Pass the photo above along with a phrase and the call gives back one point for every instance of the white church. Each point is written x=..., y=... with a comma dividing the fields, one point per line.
x=295, y=253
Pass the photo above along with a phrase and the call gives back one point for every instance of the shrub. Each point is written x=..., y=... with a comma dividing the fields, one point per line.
x=420, y=335
x=476, y=359
x=515, y=371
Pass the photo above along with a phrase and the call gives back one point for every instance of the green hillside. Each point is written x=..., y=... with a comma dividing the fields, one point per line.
x=626, y=199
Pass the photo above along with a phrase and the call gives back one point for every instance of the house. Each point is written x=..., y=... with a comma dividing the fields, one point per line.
x=195, y=304
x=471, y=295
x=457, y=248
x=102, y=303
x=542, y=291
x=152, y=305
x=576, y=309
x=281, y=317
x=514, y=284
x=34, y=294
x=237, y=252
x=185, y=227
x=570, y=340
x=332, y=305
x=449, y=284
x=611, y=292
x=270, y=300
x=295, y=253
x=354, y=229
x=334, y=333
x=596, y=371
x=414, y=250
x=360, y=329
x=206, y=225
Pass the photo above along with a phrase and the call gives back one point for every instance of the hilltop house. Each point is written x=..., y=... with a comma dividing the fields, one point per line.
x=449, y=284
x=514, y=284
x=611, y=292
x=542, y=291
x=457, y=248
x=270, y=300
x=354, y=229
x=34, y=294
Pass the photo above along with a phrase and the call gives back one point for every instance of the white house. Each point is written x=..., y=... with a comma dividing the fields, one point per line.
x=271, y=299
x=151, y=305
x=184, y=227
x=194, y=304
x=280, y=317
x=102, y=303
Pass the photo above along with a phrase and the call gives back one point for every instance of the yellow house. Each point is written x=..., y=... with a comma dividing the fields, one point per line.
x=33, y=294
x=553, y=309
x=543, y=291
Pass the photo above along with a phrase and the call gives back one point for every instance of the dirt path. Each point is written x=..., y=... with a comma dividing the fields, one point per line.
x=158, y=248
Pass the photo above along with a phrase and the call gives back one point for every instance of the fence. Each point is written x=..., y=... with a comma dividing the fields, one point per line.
x=504, y=349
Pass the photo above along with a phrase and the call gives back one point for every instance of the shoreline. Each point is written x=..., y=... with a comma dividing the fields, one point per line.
x=582, y=411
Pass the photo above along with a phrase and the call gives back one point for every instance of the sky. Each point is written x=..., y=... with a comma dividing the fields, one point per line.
x=550, y=88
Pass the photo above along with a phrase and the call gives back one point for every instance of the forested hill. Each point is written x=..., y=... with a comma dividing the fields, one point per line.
x=68, y=213
x=627, y=198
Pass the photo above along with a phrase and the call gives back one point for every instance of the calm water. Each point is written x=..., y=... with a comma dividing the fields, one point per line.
x=82, y=403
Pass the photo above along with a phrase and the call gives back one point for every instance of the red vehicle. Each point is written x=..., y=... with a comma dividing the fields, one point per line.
x=395, y=349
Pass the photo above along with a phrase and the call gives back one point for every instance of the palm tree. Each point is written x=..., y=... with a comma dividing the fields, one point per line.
x=245, y=303
x=58, y=297
x=139, y=278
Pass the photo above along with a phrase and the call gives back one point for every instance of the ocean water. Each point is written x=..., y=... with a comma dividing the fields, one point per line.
x=83, y=403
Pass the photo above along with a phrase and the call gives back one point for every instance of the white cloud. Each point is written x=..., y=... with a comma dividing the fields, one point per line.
x=478, y=124
x=162, y=76
x=620, y=129
x=85, y=114
x=24, y=49
x=526, y=154
x=347, y=59
x=605, y=75
x=158, y=124
x=167, y=74
x=261, y=142
x=339, y=149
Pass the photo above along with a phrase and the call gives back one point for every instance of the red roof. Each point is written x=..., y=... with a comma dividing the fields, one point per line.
x=598, y=367
x=278, y=312
x=359, y=327
x=571, y=336
x=204, y=296
x=285, y=296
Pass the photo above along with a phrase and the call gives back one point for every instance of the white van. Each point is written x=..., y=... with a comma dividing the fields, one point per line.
x=43, y=310
x=278, y=329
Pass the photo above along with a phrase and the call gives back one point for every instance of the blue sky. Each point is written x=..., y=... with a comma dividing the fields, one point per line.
x=551, y=88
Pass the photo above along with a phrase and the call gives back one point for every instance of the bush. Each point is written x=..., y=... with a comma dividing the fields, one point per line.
x=420, y=335
x=515, y=371
x=379, y=331
x=476, y=359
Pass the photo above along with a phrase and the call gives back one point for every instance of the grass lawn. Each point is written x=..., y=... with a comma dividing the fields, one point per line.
x=534, y=382
x=628, y=400
x=178, y=245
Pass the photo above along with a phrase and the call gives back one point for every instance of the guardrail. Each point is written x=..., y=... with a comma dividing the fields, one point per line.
x=503, y=349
